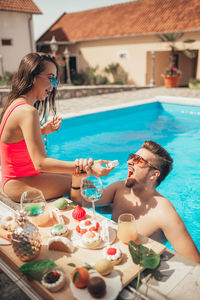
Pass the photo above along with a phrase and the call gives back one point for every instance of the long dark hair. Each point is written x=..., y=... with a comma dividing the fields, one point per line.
x=30, y=66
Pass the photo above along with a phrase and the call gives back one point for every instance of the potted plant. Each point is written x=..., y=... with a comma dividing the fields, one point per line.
x=171, y=77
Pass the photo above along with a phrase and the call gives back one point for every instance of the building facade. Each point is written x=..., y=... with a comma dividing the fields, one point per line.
x=16, y=32
x=129, y=34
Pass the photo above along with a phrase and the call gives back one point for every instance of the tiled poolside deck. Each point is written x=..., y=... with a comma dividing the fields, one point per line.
x=177, y=278
x=80, y=105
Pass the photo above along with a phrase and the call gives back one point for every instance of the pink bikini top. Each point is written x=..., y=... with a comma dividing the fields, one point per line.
x=15, y=158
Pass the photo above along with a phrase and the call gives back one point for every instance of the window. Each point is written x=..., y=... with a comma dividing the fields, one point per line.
x=6, y=42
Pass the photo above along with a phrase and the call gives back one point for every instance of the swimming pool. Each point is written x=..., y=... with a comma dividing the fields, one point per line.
x=114, y=134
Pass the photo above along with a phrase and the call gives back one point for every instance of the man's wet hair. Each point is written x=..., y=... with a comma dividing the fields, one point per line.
x=163, y=159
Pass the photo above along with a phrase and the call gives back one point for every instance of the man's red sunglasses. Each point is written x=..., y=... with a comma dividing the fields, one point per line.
x=140, y=161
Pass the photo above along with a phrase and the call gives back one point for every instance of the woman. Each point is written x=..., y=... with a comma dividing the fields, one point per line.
x=25, y=164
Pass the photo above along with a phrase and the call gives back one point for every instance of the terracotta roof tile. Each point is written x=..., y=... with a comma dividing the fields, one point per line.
x=131, y=18
x=20, y=6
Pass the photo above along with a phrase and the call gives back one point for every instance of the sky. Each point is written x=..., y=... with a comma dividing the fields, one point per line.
x=53, y=9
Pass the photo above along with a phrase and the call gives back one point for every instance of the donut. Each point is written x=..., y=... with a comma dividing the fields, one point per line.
x=87, y=225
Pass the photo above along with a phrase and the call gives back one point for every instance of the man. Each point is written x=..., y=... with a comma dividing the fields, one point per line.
x=137, y=195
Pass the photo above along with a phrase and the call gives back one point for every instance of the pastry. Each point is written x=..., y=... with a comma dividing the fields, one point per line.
x=91, y=239
x=53, y=280
x=80, y=277
x=79, y=213
x=113, y=254
x=59, y=243
x=42, y=220
x=8, y=222
x=5, y=234
x=97, y=287
x=61, y=203
x=59, y=229
x=87, y=225
x=113, y=164
x=55, y=213
x=103, y=266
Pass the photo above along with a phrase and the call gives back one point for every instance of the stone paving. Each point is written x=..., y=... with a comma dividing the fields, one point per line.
x=78, y=105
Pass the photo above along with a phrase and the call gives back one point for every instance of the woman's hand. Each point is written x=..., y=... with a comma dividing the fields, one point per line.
x=52, y=125
x=83, y=169
x=98, y=170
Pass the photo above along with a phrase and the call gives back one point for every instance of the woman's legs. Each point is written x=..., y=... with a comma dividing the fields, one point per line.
x=52, y=185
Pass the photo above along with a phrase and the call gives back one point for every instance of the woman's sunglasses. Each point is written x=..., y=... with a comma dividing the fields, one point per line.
x=54, y=82
x=140, y=161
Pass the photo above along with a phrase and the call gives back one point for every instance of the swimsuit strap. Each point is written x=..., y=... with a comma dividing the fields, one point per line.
x=8, y=114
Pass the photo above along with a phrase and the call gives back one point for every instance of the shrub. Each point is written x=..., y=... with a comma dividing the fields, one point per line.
x=100, y=80
x=6, y=79
x=194, y=83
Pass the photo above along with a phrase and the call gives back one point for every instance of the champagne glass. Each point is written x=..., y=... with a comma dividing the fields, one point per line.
x=91, y=190
x=126, y=230
x=33, y=202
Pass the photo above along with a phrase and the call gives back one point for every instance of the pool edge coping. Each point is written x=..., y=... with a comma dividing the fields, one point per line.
x=161, y=99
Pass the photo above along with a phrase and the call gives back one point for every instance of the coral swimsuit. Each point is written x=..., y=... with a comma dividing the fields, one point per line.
x=15, y=158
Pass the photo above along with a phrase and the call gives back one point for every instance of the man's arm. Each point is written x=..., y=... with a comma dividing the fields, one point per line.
x=106, y=198
x=178, y=235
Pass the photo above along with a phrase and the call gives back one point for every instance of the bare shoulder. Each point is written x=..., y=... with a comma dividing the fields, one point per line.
x=163, y=201
x=26, y=108
x=26, y=113
x=167, y=212
x=117, y=185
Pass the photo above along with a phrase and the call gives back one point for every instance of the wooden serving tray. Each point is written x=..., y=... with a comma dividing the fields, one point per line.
x=127, y=268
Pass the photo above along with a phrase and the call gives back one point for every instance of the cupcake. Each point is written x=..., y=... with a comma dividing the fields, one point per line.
x=87, y=225
x=91, y=239
x=59, y=229
x=113, y=254
x=53, y=280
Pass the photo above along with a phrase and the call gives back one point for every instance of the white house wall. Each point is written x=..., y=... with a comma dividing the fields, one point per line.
x=104, y=52
x=19, y=28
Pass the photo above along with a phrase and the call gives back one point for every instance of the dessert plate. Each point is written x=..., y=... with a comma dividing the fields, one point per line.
x=77, y=241
x=5, y=211
x=113, y=287
x=4, y=242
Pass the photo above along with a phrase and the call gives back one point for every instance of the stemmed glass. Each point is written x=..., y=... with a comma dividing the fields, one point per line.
x=33, y=202
x=91, y=190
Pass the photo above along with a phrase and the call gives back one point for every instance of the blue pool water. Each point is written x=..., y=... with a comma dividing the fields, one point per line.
x=114, y=134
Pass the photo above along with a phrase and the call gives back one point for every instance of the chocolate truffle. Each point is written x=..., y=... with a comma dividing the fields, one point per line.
x=97, y=287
